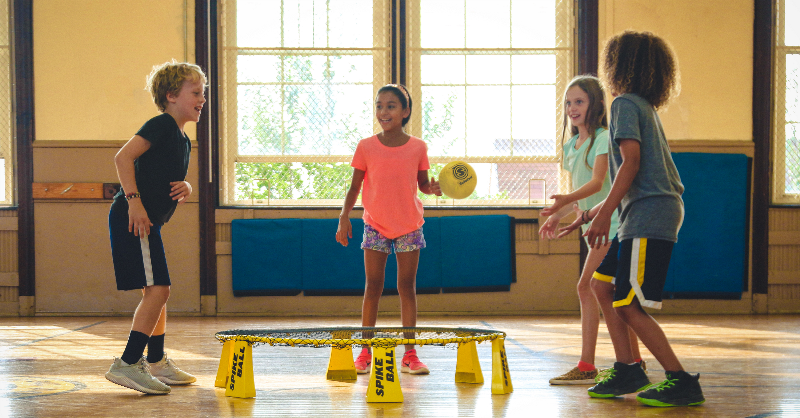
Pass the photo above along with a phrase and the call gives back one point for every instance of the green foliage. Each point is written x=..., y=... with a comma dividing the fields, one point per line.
x=295, y=117
x=267, y=180
x=437, y=130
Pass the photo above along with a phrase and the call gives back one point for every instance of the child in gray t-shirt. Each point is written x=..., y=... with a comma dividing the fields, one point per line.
x=641, y=73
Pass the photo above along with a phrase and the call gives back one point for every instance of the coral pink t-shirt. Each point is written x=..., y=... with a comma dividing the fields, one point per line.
x=389, y=197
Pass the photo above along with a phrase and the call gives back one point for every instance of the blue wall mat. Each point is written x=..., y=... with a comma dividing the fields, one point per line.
x=709, y=258
x=285, y=256
x=331, y=269
x=328, y=267
x=429, y=271
x=475, y=253
x=266, y=257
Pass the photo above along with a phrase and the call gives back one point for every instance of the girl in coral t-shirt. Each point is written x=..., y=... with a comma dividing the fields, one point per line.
x=391, y=165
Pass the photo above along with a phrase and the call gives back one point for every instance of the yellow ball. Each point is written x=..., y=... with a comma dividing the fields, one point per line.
x=457, y=180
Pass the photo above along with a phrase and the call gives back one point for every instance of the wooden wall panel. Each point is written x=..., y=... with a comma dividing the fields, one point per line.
x=784, y=260
x=9, y=294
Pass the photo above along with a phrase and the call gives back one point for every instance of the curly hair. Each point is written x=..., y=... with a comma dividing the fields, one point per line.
x=169, y=77
x=595, y=114
x=643, y=64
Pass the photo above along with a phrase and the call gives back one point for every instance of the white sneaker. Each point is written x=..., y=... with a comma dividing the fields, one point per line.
x=135, y=376
x=166, y=371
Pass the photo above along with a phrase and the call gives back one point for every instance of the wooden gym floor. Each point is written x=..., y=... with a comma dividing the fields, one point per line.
x=54, y=367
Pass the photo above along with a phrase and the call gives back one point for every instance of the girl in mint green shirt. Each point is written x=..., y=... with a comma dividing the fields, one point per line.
x=586, y=159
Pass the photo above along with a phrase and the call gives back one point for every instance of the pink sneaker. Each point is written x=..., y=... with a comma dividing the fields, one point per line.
x=411, y=364
x=363, y=361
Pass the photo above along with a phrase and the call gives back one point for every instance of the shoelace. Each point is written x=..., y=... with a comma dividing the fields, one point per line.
x=143, y=366
x=410, y=359
x=604, y=375
x=664, y=385
x=172, y=366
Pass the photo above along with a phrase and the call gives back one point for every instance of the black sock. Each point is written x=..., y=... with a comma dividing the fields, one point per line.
x=137, y=341
x=155, y=348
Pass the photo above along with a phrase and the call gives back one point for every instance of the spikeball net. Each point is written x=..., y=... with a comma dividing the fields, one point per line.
x=377, y=337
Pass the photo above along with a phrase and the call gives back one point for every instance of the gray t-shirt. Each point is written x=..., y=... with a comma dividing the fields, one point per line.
x=653, y=207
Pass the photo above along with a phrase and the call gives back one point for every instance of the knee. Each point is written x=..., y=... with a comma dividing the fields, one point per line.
x=374, y=288
x=158, y=293
x=585, y=287
x=406, y=290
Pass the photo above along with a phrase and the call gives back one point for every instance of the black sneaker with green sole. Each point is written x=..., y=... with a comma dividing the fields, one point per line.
x=619, y=380
x=680, y=389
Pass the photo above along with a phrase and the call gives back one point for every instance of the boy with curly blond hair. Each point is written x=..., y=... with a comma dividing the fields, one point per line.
x=152, y=169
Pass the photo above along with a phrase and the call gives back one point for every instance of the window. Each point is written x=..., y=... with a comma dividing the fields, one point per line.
x=299, y=77
x=7, y=182
x=786, y=144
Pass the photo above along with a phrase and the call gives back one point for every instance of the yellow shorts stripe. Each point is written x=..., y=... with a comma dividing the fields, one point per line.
x=638, y=256
x=603, y=277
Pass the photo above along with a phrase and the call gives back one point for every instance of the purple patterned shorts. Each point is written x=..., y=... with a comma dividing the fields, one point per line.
x=374, y=240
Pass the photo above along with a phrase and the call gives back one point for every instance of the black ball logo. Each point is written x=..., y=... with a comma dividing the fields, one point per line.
x=460, y=172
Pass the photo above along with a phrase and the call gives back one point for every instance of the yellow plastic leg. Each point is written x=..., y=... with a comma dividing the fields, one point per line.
x=340, y=365
x=224, y=369
x=501, y=376
x=468, y=368
x=241, y=383
x=384, y=381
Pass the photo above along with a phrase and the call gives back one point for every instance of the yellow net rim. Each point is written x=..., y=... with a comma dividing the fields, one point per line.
x=342, y=337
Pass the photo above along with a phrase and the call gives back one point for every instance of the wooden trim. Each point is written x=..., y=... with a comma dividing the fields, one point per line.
x=587, y=58
x=399, y=28
x=784, y=238
x=9, y=223
x=207, y=134
x=26, y=133
x=9, y=279
x=712, y=146
x=67, y=190
x=86, y=143
x=784, y=277
x=393, y=56
x=587, y=36
x=763, y=28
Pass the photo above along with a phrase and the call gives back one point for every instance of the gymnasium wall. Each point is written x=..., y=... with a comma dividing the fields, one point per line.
x=91, y=58
x=713, y=41
x=90, y=61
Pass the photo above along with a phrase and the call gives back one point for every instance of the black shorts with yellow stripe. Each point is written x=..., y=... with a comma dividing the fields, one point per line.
x=638, y=267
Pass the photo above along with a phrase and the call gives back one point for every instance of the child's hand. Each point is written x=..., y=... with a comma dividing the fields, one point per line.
x=560, y=201
x=344, y=231
x=597, y=235
x=434, y=187
x=180, y=191
x=138, y=221
x=548, y=228
x=574, y=225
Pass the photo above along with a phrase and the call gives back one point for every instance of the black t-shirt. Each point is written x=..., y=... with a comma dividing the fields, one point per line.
x=166, y=160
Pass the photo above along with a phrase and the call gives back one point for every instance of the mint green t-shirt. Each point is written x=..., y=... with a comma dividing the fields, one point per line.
x=575, y=163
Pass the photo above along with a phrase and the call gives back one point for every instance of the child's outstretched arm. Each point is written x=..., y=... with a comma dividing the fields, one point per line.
x=601, y=222
x=591, y=187
x=345, y=229
x=582, y=217
x=138, y=221
x=428, y=187
x=548, y=228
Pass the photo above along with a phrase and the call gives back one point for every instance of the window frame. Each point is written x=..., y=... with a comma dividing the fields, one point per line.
x=581, y=56
x=779, y=195
x=10, y=200
x=228, y=158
